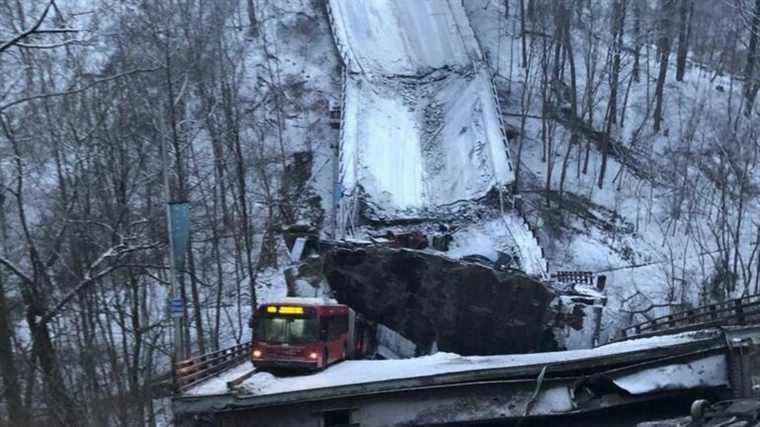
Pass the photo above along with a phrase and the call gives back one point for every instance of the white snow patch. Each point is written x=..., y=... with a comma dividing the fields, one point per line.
x=708, y=372
x=297, y=251
x=218, y=385
x=304, y=300
x=508, y=234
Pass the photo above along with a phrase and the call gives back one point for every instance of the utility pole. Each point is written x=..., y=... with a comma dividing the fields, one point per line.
x=175, y=303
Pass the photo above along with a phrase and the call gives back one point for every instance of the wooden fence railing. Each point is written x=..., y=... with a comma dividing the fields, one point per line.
x=739, y=311
x=195, y=370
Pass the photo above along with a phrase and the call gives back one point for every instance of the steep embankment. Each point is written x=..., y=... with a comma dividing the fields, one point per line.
x=654, y=225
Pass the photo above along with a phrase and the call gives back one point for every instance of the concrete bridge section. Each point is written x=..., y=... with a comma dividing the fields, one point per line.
x=421, y=130
x=445, y=389
x=422, y=137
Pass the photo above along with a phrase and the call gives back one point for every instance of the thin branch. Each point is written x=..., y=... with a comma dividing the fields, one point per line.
x=53, y=45
x=57, y=31
x=15, y=269
x=89, y=278
x=77, y=90
x=651, y=307
x=30, y=31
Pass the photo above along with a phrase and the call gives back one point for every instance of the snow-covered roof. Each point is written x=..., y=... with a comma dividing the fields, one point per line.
x=303, y=301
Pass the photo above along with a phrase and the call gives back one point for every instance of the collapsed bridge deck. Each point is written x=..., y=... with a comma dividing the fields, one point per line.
x=421, y=128
x=446, y=388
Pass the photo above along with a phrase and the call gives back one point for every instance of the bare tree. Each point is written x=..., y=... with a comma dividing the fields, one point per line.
x=686, y=11
x=523, y=35
x=751, y=84
x=663, y=47
x=17, y=412
x=637, y=36
x=252, y=20
x=618, y=27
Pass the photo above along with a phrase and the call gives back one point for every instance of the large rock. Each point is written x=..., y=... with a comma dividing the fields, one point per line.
x=467, y=308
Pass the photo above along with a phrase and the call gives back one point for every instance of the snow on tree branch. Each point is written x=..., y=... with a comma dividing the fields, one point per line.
x=93, y=274
x=34, y=29
x=15, y=269
x=79, y=89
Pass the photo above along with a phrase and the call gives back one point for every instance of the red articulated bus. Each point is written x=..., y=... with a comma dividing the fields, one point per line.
x=308, y=333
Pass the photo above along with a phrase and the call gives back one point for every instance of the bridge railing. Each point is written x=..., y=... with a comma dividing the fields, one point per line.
x=586, y=277
x=195, y=370
x=733, y=312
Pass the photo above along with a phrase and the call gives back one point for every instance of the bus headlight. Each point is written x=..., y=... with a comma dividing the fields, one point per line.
x=256, y=353
x=313, y=355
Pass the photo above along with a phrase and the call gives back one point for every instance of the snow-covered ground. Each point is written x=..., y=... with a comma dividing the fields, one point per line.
x=421, y=128
x=506, y=233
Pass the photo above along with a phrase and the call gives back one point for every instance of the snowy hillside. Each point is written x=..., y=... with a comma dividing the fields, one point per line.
x=656, y=227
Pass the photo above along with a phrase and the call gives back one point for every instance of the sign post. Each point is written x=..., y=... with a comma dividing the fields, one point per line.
x=178, y=222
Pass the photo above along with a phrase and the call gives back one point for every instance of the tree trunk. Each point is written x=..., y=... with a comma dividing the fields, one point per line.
x=523, y=35
x=34, y=294
x=60, y=403
x=683, y=38
x=664, y=43
x=591, y=61
x=196, y=300
x=11, y=390
x=573, y=95
x=136, y=395
x=252, y=21
x=750, y=84
x=636, y=40
x=617, y=45
x=219, y=289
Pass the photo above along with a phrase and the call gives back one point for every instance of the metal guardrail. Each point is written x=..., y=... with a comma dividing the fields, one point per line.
x=586, y=277
x=741, y=311
x=190, y=372
x=502, y=124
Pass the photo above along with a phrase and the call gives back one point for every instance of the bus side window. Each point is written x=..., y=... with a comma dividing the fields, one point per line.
x=324, y=323
x=338, y=327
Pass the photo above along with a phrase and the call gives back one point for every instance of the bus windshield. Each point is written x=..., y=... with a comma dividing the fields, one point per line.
x=286, y=330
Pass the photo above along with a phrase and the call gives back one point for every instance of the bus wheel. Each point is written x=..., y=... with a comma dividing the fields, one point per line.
x=698, y=409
